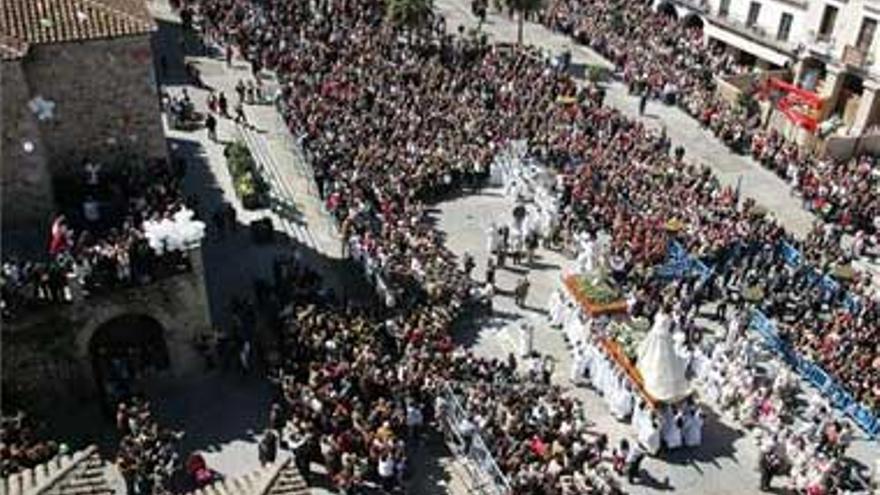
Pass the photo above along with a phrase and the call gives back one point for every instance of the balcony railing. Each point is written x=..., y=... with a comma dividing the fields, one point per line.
x=754, y=32
x=821, y=43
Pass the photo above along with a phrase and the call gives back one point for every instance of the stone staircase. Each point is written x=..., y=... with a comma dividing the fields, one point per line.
x=82, y=473
x=280, y=478
x=282, y=194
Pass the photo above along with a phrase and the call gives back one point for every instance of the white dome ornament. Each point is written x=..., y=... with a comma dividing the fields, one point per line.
x=28, y=147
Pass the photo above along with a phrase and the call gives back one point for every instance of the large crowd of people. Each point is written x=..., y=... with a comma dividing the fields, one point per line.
x=394, y=118
x=22, y=445
x=147, y=455
x=97, y=243
x=667, y=58
x=352, y=87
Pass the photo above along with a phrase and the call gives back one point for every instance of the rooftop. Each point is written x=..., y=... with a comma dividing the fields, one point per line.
x=31, y=22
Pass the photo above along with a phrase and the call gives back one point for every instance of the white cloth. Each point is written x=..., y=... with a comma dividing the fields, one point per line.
x=672, y=435
x=622, y=405
x=557, y=308
x=693, y=429
x=662, y=369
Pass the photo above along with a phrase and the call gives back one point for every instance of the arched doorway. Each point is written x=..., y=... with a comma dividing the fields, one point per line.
x=125, y=351
x=666, y=8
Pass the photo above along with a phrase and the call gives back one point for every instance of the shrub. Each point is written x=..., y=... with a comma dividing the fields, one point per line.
x=246, y=180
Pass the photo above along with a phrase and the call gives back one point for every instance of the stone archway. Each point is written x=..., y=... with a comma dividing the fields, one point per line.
x=124, y=352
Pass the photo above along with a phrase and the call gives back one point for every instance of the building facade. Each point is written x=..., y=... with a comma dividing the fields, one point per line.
x=77, y=83
x=830, y=48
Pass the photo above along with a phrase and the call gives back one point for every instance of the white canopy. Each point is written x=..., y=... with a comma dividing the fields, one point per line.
x=662, y=369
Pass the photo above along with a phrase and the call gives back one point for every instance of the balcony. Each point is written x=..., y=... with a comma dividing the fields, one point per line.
x=856, y=57
x=701, y=6
x=753, y=32
x=821, y=44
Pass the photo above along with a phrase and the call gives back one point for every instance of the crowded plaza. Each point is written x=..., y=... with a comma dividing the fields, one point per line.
x=667, y=273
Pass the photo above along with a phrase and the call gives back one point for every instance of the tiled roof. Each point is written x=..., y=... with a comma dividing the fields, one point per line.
x=11, y=48
x=54, y=21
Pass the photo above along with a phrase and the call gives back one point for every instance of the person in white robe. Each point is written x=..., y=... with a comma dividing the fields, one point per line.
x=649, y=433
x=578, y=365
x=575, y=331
x=693, y=428
x=493, y=239
x=672, y=426
x=733, y=332
x=622, y=406
x=586, y=260
x=526, y=339
x=555, y=307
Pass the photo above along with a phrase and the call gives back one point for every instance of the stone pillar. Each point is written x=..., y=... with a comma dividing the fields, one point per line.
x=867, y=108
x=830, y=90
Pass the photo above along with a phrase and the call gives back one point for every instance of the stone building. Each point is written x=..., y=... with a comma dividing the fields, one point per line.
x=59, y=353
x=828, y=48
x=77, y=82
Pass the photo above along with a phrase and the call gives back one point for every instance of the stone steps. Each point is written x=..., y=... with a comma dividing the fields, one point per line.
x=280, y=478
x=282, y=194
x=82, y=473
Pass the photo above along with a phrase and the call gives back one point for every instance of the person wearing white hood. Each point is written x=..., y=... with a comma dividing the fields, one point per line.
x=649, y=432
x=555, y=308
x=579, y=364
x=622, y=404
x=693, y=427
x=586, y=260
x=672, y=428
x=492, y=238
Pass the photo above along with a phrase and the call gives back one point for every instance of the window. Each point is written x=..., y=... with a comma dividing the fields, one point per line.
x=784, y=27
x=754, y=12
x=866, y=34
x=829, y=17
x=724, y=8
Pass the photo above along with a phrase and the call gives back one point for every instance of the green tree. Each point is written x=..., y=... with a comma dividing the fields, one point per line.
x=410, y=14
x=523, y=8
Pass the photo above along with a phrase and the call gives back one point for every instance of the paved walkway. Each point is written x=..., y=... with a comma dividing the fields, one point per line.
x=726, y=464
x=224, y=413
x=765, y=187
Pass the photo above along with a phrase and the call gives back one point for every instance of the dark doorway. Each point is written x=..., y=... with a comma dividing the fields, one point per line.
x=126, y=351
x=693, y=21
x=668, y=9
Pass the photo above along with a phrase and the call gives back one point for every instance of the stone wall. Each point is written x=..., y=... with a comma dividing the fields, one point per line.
x=25, y=186
x=46, y=353
x=106, y=102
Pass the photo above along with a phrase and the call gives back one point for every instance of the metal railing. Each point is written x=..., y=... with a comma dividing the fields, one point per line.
x=486, y=476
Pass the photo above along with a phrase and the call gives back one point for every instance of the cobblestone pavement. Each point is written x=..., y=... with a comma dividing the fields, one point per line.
x=727, y=462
